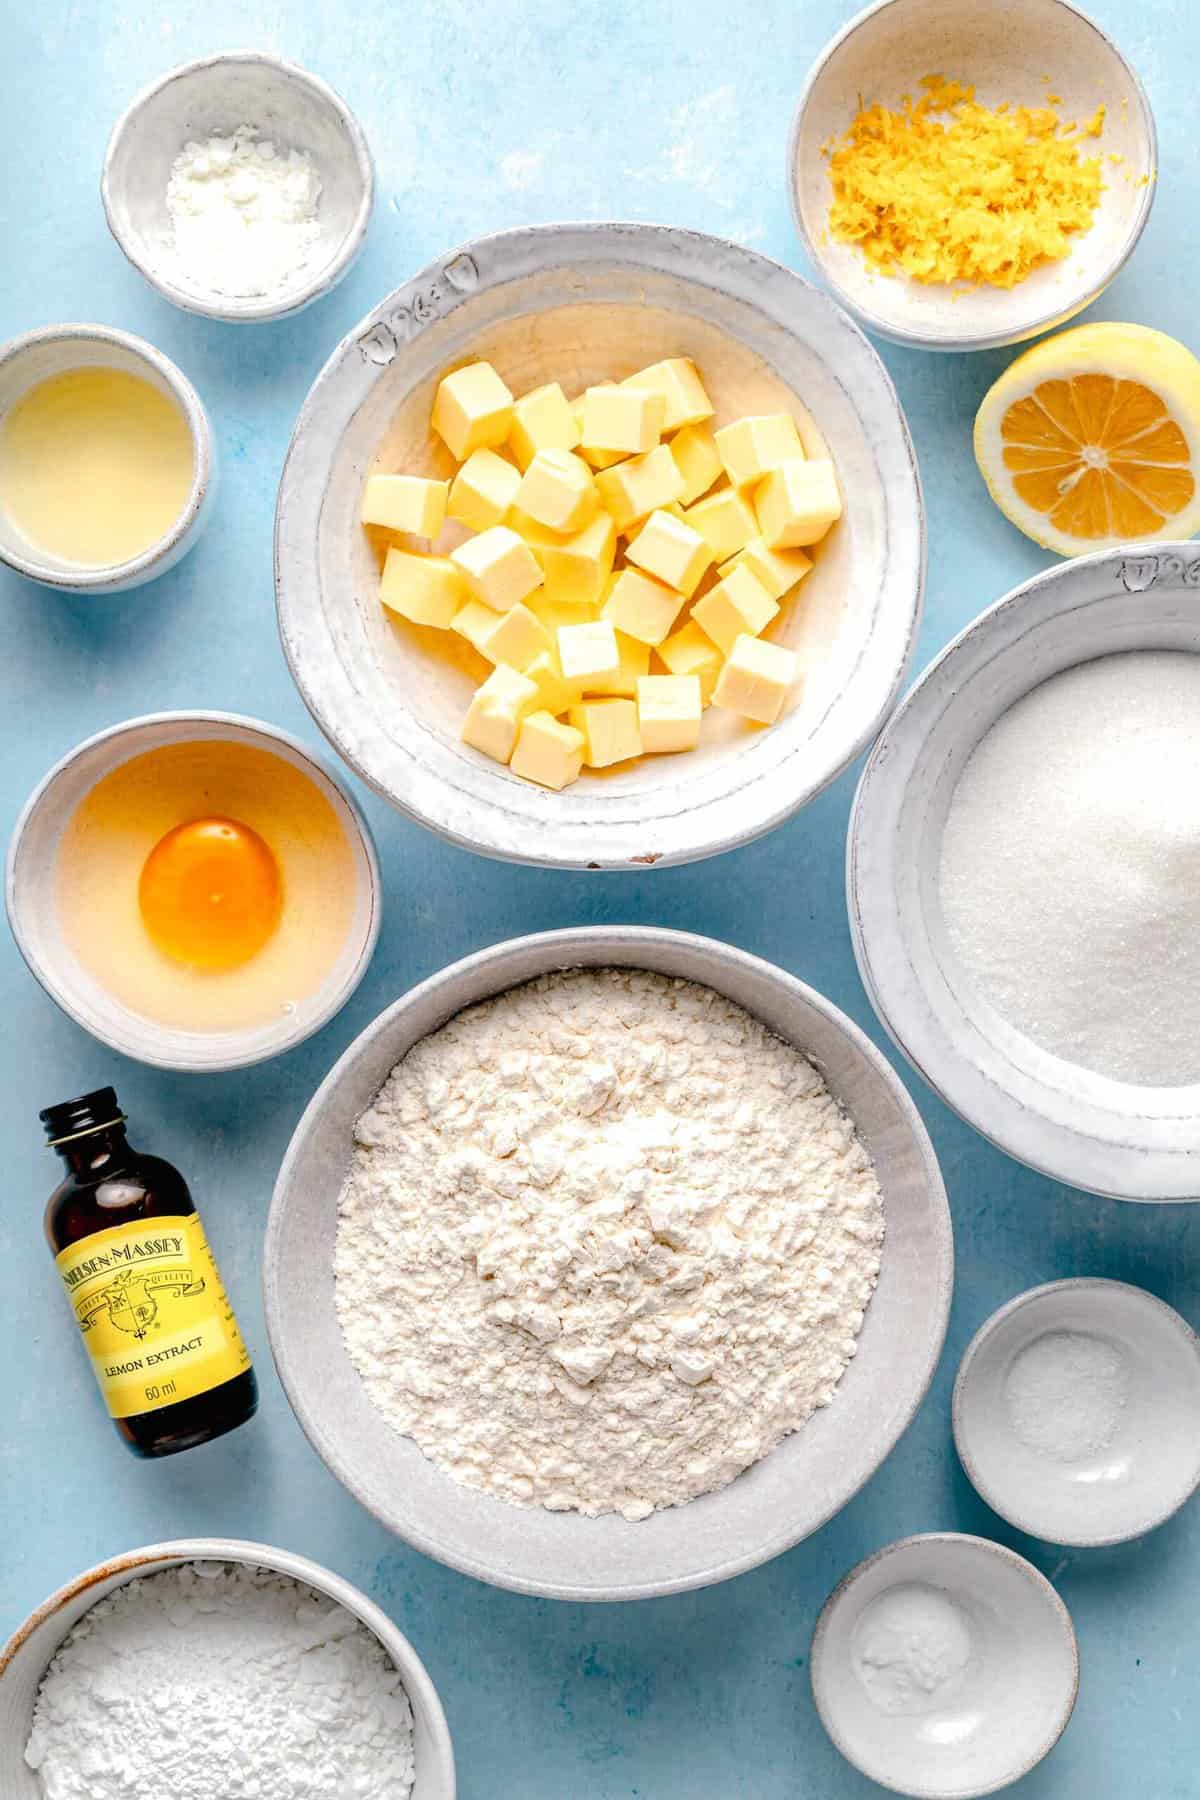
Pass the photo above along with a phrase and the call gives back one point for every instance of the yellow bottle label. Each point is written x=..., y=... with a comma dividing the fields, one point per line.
x=153, y=1314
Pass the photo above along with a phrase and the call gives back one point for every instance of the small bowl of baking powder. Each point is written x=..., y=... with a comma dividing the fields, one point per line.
x=240, y=186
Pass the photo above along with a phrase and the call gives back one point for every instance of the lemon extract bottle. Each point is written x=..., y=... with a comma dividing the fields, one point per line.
x=139, y=1276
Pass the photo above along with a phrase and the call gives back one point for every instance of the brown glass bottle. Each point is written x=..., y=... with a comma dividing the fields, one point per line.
x=146, y=1295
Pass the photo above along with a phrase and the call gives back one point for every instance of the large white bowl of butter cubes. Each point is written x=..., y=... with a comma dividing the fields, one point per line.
x=600, y=545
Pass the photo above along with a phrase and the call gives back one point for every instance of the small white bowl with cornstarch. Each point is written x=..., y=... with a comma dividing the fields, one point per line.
x=1077, y=1411
x=1024, y=873
x=267, y=1664
x=240, y=186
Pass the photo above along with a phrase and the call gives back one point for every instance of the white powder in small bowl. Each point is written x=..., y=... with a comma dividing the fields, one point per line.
x=244, y=213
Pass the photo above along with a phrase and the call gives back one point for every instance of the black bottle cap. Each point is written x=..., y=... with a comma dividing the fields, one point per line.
x=74, y=1118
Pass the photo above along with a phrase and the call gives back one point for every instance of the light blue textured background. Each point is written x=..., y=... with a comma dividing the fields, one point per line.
x=483, y=116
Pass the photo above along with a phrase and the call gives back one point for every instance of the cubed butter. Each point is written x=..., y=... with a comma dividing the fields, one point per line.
x=756, y=680
x=542, y=420
x=738, y=604
x=474, y=621
x=405, y=503
x=726, y=520
x=778, y=570
x=634, y=661
x=514, y=637
x=634, y=489
x=689, y=651
x=682, y=390
x=472, y=410
x=483, y=490
x=669, y=709
x=672, y=550
x=428, y=590
x=626, y=419
x=577, y=567
x=750, y=448
x=494, y=715
x=557, y=490
x=642, y=607
x=555, y=693
x=597, y=459
x=797, y=503
x=610, y=731
x=548, y=752
x=695, y=455
x=588, y=652
x=500, y=568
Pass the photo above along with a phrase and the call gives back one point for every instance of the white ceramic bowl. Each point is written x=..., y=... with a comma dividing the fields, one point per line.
x=33, y=916
x=217, y=94
x=768, y=1508
x=988, y=1701
x=1109, y=1137
x=1007, y=52
x=26, y=1656
x=1077, y=1412
x=392, y=702
x=56, y=349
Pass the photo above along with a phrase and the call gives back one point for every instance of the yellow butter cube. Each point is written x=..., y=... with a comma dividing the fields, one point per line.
x=472, y=410
x=739, y=603
x=672, y=550
x=588, y=652
x=634, y=661
x=797, y=503
x=689, y=651
x=539, y=537
x=669, y=709
x=474, y=621
x=557, y=490
x=629, y=420
x=755, y=680
x=639, y=486
x=598, y=459
x=610, y=731
x=515, y=637
x=547, y=752
x=429, y=590
x=542, y=420
x=777, y=570
x=695, y=455
x=725, y=520
x=500, y=568
x=405, y=503
x=577, y=567
x=681, y=388
x=494, y=715
x=642, y=607
x=483, y=490
x=555, y=693
x=752, y=447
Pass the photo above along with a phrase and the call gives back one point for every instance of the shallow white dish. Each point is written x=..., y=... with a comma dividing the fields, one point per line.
x=1109, y=1137
x=1115, y=1486
x=56, y=349
x=768, y=1508
x=1011, y=1668
x=24, y=1659
x=33, y=916
x=393, y=706
x=217, y=94
x=1007, y=52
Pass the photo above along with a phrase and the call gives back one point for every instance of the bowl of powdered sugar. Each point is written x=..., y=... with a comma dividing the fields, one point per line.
x=1024, y=873
x=240, y=186
x=211, y=1667
x=609, y=1262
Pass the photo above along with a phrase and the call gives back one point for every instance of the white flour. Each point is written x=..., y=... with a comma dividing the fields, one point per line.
x=605, y=1241
x=245, y=215
x=215, y=1681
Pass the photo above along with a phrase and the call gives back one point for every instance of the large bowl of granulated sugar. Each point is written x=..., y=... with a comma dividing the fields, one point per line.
x=608, y=1262
x=1024, y=873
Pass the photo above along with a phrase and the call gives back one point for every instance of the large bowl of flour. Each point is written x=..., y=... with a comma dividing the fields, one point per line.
x=601, y=1319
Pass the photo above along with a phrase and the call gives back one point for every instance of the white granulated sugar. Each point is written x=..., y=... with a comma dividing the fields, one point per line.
x=1070, y=867
x=1066, y=1393
x=216, y=1681
x=244, y=212
x=605, y=1241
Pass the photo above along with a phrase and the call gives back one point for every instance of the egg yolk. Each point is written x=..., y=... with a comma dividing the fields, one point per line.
x=210, y=894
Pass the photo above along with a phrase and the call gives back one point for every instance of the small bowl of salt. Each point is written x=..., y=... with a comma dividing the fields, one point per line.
x=1077, y=1412
x=240, y=186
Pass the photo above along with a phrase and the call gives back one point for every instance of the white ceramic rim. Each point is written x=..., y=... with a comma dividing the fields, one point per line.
x=115, y=576
x=960, y=341
x=638, y=237
x=1035, y=1578
x=271, y=733
x=254, y=308
x=414, y=1676
x=1027, y=1522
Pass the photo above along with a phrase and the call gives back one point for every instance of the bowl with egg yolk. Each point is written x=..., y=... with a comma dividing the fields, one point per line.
x=583, y=306
x=195, y=889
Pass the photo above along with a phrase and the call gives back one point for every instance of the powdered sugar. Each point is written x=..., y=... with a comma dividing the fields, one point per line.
x=244, y=213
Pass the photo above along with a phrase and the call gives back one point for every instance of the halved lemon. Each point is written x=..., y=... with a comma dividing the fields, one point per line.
x=1092, y=438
